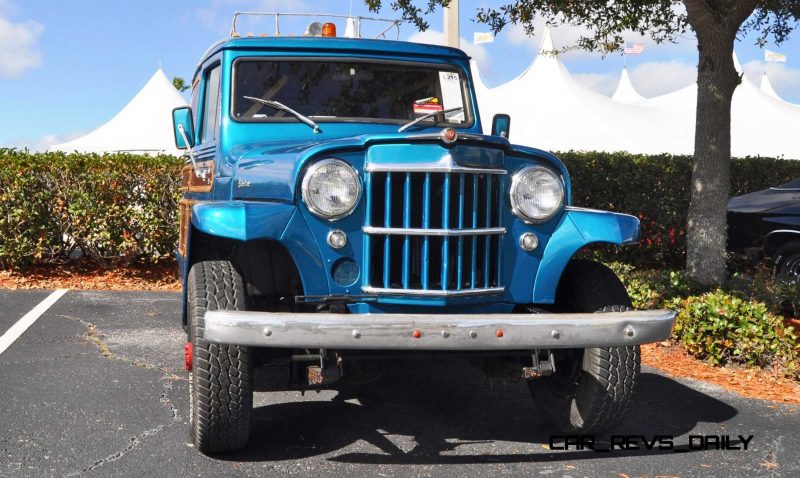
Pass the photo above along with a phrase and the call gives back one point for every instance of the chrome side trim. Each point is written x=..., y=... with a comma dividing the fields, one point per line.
x=399, y=231
x=427, y=168
x=438, y=332
x=433, y=292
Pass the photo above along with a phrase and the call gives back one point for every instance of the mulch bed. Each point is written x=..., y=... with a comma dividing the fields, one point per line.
x=749, y=382
x=80, y=275
x=666, y=357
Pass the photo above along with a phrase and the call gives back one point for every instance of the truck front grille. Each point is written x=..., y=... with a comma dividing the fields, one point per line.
x=433, y=233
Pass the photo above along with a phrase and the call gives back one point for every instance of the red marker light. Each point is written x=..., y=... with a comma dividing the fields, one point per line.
x=329, y=30
x=187, y=356
x=416, y=334
x=499, y=333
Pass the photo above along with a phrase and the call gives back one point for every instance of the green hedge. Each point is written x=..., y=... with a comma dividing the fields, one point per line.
x=738, y=324
x=122, y=207
x=656, y=189
x=114, y=208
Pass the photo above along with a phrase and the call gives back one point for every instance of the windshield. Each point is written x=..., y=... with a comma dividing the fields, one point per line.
x=329, y=90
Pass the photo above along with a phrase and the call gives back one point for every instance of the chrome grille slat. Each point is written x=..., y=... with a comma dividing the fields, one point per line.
x=401, y=231
x=433, y=232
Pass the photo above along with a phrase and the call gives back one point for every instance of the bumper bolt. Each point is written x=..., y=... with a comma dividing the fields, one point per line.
x=445, y=334
x=473, y=334
x=356, y=334
x=267, y=331
x=555, y=334
x=629, y=332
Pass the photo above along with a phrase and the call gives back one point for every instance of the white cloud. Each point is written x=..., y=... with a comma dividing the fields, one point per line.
x=18, y=49
x=784, y=79
x=435, y=37
x=660, y=77
x=603, y=83
x=568, y=35
x=650, y=79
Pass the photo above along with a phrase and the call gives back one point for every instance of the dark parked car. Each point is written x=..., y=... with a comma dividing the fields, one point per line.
x=767, y=224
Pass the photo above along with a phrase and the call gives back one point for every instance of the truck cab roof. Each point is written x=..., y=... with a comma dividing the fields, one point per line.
x=338, y=46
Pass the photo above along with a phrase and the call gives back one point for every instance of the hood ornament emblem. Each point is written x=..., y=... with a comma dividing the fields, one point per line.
x=449, y=136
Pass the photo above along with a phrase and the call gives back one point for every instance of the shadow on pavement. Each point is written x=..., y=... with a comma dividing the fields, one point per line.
x=440, y=417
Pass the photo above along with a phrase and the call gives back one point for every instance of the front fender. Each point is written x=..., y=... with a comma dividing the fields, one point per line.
x=775, y=239
x=242, y=220
x=249, y=220
x=578, y=228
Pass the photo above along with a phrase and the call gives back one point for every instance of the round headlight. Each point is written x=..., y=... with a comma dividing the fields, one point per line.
x=331, y=188
x=536, y=193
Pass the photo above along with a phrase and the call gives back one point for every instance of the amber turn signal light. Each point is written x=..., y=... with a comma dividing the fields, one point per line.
x=329, y=30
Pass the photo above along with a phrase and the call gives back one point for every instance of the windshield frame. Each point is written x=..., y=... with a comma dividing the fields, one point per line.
x=466, y=91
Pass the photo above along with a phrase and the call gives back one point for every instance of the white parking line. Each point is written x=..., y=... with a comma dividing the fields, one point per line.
x=28, y=319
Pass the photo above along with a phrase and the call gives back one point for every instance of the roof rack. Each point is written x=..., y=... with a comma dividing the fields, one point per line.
x=392, y=23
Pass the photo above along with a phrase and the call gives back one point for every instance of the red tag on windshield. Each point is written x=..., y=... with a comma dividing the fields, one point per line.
x=427, y=107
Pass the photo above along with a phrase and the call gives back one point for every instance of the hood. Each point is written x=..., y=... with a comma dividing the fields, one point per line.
x=269, y=170
x=767, y=200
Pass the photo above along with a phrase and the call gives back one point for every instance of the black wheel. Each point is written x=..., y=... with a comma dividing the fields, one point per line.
x=591, y=388
x=787, y=263
x=220, y=382
x=786, y=271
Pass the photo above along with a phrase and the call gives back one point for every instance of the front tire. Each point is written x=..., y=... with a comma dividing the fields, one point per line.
x=220, y=382
x=787, y=263
x=591, y=388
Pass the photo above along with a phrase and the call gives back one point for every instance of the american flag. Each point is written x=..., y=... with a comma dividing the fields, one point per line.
x=634, y=50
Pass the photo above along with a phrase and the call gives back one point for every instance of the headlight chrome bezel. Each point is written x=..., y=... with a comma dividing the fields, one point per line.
x=305, y=185
x=515, y=182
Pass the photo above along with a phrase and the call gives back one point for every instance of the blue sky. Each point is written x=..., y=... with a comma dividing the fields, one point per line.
x=67, y=66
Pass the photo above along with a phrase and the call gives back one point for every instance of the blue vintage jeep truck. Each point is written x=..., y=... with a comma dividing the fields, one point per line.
x=341, y=204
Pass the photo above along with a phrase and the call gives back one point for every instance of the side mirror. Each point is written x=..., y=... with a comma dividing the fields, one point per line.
x=183, y=126
x=501, y=125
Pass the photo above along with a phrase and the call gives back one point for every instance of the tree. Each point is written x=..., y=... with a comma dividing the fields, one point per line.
x=716, y=24
x=179, y=84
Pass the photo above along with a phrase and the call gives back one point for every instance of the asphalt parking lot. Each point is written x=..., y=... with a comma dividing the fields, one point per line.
x=96, y=387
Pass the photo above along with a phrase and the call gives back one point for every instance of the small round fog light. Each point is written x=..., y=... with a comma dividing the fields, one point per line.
x=345, y=272
x=528, y=241
x=337, y=239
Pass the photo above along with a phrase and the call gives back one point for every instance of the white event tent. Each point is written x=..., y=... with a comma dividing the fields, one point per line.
x=625, y=92
x=766, y=87
x=551, y=110
x=144, y=125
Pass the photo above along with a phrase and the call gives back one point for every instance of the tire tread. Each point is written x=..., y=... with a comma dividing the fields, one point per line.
x=222, y=396
x=598, y=399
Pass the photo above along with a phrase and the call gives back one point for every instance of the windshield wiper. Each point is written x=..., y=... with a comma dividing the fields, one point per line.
x=428, y=115
x=280, y=106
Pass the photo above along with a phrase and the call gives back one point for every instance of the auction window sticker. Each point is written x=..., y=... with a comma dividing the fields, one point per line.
x=450, y=84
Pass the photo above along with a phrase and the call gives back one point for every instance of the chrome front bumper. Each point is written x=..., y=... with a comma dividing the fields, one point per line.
x=438, y=332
